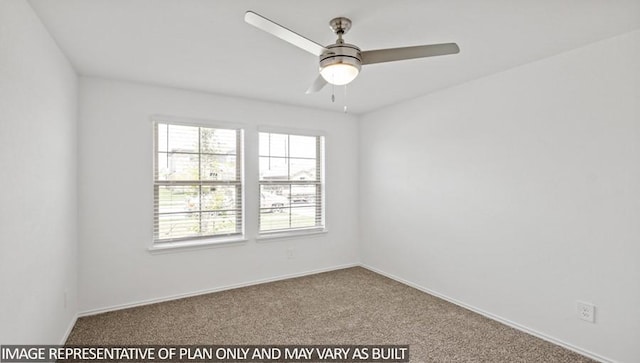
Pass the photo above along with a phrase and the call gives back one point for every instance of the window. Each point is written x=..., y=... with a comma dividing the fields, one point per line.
x=291, y=182
x=197, y=182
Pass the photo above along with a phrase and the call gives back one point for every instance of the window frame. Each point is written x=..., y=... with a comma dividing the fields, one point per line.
x=321, y=183
x=205, y=240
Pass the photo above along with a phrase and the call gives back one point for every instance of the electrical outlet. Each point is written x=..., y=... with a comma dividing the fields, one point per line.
x=586, y=311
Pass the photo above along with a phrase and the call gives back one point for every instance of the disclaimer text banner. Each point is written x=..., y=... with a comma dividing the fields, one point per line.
x=205, y=353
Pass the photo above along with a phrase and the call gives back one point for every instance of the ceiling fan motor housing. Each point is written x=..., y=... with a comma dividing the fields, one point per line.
x=341, y=53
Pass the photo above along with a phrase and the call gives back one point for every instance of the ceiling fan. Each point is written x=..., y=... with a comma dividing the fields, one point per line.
x=340, y=62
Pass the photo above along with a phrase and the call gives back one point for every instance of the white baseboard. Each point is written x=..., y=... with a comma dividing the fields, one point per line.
x=497, y=318
x=72, y=323
x=208, y=291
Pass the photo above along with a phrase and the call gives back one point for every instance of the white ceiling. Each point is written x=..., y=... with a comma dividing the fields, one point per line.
x=206, y=45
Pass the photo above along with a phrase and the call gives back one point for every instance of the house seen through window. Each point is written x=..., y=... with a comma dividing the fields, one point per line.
x=197, y=182
x=291, y=182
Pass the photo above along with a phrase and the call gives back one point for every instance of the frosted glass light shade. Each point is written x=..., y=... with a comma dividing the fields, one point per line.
x=339, y=73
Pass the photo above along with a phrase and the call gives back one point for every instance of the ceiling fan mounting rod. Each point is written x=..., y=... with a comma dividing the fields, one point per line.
x=340, y=26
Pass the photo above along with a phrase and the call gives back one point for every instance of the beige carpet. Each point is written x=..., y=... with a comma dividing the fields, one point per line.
x=350, y=306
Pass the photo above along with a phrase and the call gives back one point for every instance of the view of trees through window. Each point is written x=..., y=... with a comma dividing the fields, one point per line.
x=198, y=186
x=290, y=182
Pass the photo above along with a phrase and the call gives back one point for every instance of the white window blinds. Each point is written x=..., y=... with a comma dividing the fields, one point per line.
x=198, y=182
x=291, y=182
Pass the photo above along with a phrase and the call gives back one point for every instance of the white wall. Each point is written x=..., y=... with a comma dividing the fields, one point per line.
x=116, y=210
x=38, y=240
x=518, y=194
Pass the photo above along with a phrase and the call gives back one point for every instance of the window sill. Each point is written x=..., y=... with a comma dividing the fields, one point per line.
x=169, y=247
x=291, y=234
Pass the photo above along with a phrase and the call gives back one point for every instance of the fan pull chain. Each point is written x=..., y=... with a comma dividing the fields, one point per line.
x=345, y=98
x=333, y=93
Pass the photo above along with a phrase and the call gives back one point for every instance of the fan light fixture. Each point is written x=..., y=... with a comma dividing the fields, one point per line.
x=339, y=73
x=340, y=63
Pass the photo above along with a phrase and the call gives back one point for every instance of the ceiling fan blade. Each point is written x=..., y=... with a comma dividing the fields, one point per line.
x=396, y=54
x=283, y=33
x=317, y=85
